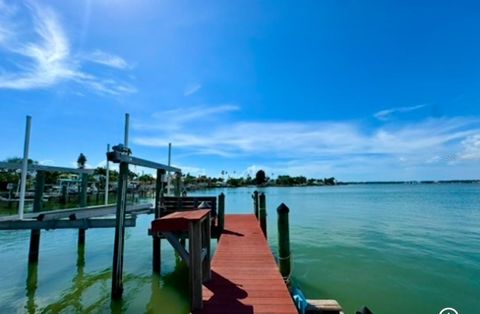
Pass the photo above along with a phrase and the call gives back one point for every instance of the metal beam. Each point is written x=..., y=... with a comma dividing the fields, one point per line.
x=14, y=166
x=117, y=157
x=88, y=212
x=82, y=212
x=64, y=223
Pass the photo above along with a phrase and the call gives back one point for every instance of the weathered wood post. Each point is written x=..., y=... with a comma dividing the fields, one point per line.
x=37, y=206
x=117, y=268
x=195, y=268
x=83, y=203
x=64, y=196
x=178, y=184
x=262, y=213
x=255, y=203
x=157, y=242
x=283, y=241
x=221, y=213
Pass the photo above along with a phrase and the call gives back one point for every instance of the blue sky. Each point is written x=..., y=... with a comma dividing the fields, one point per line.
x=359, y=90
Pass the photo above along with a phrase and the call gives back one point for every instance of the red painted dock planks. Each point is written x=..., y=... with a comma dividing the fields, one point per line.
x=245, y=277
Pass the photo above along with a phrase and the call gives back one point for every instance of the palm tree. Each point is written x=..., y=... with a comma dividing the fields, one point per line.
x=81, y=161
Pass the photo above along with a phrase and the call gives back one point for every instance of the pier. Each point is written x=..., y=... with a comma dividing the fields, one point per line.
x=245, y=277
x=241, y=277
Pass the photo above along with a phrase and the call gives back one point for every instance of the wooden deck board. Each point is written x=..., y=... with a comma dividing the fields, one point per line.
x=245, y=277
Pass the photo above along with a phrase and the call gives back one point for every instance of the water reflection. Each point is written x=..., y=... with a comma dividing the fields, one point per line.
x=89, y=292
x=32, y=279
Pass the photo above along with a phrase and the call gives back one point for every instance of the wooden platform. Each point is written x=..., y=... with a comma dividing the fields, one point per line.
x=245, y=277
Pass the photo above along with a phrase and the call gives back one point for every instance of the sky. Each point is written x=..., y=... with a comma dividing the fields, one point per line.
x=357, y=90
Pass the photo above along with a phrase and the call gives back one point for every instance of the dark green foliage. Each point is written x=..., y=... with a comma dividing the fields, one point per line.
x=81, y=161
x=260, y=177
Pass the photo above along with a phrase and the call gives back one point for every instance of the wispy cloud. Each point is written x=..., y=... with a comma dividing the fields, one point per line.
x=323, y=147
x=107, y=59
x=175, y=119
x=192, y=89
x=48, y=59
x=471, y=148
x=386, y=114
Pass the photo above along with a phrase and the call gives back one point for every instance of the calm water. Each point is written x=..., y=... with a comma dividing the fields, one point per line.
x=396, y=248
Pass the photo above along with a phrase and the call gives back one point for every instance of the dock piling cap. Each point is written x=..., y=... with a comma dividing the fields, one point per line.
x=283, y=209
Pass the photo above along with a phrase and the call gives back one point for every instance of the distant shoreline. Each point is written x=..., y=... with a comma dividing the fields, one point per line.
x=347, y=183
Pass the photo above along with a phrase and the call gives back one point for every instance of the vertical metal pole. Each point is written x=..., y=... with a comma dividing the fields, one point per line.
x=262, y=213
x=23, y=182
x=284, y=241
x=127, y=125
x=117, y=268
x=107, y=179
x=37, y=206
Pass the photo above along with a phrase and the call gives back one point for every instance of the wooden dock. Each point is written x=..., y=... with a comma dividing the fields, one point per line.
x=245, y=277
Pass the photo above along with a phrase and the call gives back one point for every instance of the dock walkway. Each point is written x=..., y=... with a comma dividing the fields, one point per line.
x=245, y=277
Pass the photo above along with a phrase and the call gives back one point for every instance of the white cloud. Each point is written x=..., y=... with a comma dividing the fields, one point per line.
x=107, y=59
x=192, y=89
x=48, y=60
x=471, y=148
x=322, y=148
x=433, y=159
x=387, y=113
x=295, y=139
x=194, y=171
x=175, y=119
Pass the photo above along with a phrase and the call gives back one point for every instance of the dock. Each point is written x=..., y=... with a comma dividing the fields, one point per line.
x=241, y=277
x=245, y=277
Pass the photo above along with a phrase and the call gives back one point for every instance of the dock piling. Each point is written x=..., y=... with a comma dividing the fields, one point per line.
x=221, y=213
x=262, y=213
x=255, y=203
x=157, y=242
x=117, y=268
x=284, y=241
x=37, y=206
x=178, y=184
x=83, y=203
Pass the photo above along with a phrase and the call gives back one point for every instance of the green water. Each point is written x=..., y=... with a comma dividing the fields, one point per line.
x=396, y=248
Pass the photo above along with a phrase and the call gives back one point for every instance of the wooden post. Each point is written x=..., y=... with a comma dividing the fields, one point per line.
x=157, y=243
x=32, y=283
x=195, y=265
x=206, y=236
x=64, y=197
x=117, y=268
x=255, y=203
x=283, y=241
x=262, y=213
x=221, y=213
x=37, y=206
x=178, y=184
x=83, y=203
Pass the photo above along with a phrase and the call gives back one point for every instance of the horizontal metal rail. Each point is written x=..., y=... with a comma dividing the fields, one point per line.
x=64, y=223
x=14, y=166
x=117, y=157
x=81, y=212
